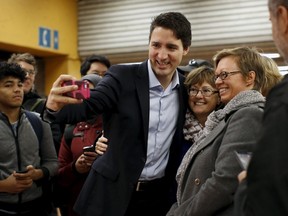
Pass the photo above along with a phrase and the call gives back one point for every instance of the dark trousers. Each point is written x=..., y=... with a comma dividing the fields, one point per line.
x=31, y=213
x=32, y=208
x=151, y=198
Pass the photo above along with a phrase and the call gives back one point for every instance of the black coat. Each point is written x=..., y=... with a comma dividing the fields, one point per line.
x=267, y=178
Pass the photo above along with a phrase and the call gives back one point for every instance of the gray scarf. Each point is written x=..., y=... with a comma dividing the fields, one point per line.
x=243, y=99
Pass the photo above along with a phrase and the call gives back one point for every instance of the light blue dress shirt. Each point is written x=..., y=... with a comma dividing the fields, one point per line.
x=164, y=111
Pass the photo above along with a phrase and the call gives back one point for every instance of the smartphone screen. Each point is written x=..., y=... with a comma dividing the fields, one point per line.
x=89, y=149
x=243, y=159
x=22, y=171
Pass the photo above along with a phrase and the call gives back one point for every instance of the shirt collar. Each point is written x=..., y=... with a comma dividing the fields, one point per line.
x=154, y=82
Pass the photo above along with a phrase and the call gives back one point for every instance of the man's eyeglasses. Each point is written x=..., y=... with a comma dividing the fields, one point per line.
x=29, y=72
x=224, y=74
x=206, y=92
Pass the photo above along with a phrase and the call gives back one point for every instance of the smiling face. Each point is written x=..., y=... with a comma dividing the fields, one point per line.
x=11, y=93
x=202, y=105
x=165, y=54
x=233, y=83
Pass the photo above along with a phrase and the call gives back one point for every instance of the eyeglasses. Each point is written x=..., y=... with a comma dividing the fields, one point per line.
x=224, y=74
x=206, y=92
x=29, y=72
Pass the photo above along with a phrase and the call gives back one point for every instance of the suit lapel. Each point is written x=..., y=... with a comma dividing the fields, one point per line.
x=142, y=88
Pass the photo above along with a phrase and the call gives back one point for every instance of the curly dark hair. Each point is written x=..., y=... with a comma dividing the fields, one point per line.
x=13, y=70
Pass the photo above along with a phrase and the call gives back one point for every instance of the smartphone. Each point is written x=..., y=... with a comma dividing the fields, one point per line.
x=83, y=91
x=90, y=148
x=243, y=158
x=22, y=171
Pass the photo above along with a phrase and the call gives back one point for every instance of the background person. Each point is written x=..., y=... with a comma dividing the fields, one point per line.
x=32, y=101
x=74, y=166
x=272, y=75
x=208, y=172
x=22, y=149
x=95, y=64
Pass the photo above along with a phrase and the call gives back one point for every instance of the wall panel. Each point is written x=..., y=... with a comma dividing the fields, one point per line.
x=122, y=27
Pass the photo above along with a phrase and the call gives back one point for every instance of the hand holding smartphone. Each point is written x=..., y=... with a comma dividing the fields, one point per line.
x=90, y=148
x=21, y=171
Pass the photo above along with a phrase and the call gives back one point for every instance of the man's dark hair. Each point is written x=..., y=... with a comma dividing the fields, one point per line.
x=91, y=59
x=176, y=22
x=13, y=70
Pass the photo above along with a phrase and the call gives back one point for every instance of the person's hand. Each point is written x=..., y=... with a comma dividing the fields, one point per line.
x=101, y=145
x=89, y=157
x=81, y=166
x=242, y=175
x=34, y=173
x=16, y=183
x=56, y=100
x=84, y=162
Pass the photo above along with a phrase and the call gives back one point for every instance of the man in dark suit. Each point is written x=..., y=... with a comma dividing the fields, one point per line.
x=143, y=108
x=265, y=191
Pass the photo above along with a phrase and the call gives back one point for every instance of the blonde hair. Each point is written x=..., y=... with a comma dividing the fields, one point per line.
x=247, y=59
x=272, y=75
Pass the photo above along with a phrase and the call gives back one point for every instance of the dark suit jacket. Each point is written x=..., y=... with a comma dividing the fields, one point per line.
x=267, y=177
x=123, y=98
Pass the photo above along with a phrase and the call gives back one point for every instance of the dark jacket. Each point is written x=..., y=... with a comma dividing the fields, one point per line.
x=267, y=178
x=33, y=102
x=123, y=98
x=68, y=181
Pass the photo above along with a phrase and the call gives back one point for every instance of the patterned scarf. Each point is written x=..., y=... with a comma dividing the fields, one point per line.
x=192, y=127
x=243, y=99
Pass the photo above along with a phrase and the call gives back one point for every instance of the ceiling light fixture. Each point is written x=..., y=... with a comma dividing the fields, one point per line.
x=271, y=55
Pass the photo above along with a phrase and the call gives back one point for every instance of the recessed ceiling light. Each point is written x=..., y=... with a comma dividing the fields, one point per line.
x=271, y=55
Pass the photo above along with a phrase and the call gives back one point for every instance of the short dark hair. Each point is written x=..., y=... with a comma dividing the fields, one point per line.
x=91, y=59
x=13, y=70
x=176, y=22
